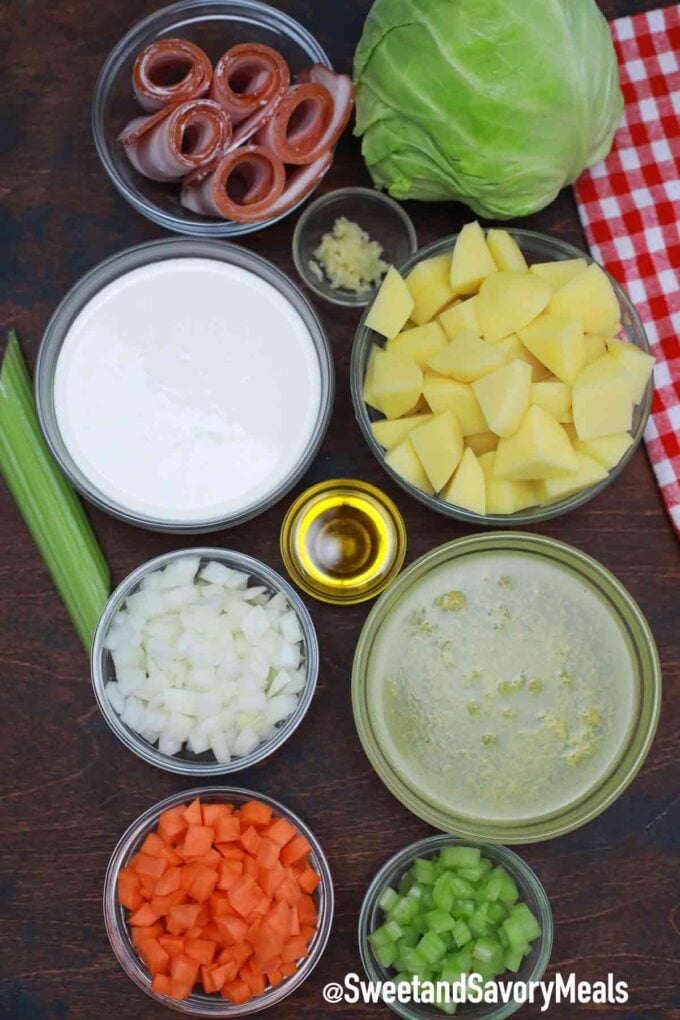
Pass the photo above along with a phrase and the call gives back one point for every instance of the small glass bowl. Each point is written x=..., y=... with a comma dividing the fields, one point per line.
x=185, y=763
x=537, y=248
x=381, y=514
x=380, y=216
x=530, y=890
x=198, y=1004
x=215, y=26
x=113, y=268
x=636, y=634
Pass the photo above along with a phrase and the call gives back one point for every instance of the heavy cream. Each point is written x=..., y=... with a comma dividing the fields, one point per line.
x=187, y=389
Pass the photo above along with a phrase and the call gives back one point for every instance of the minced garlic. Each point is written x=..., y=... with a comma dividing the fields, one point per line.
x=348, y=258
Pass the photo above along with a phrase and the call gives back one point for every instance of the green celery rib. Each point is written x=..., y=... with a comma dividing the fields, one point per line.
x=48, y=504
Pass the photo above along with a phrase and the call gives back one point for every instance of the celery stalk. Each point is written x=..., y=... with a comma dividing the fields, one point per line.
x=48, y=504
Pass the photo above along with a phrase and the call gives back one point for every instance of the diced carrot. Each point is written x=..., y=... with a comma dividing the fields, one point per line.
x=209, y=985
x=220, y=905
x=267, y=853
x=307, y=932
x=308, y=880
x=184, y=970
x=151, y=866
x=193, y=814
x=200, y=950
x=255, y=813
x=143, y=917
x=288, y=891
x=188, y=874
x=253, y=976
x=204, y=916
x=236, y=991
x=294, y=922
x=227, y=829
x=211, y=813
x=160, y=984
x=239, y=953
x=147, y=886
x=209, y=860
x=251, y=867
x=180, y=990
x=280, y=831
x=231, y=851
x=295, y=949
x=172, y=824
x=153, y=845
x=250, y=840
x=232, y=929
x=295, y=851
x=197, y=841
x=169, y=882
x=154, y=956
x=171, y=856
x=243, y=895
x=183, y=916
x=306, y=909
x=162, y=905
x=203, y=885
x=279, y=918
x=129, y=890
x=269, y=879
x=275, y=977
x=229, y=872
x=150, y=931
x=288, y=969
x=222, y=973
x=172, y=944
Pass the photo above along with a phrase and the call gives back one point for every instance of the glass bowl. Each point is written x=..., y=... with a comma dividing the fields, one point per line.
x=215, y=26
x=381, y=217
x=102, y=667
x=114, y=914
x=536, y=248
x=636, y=742
x=530, y=890
x=108, y=271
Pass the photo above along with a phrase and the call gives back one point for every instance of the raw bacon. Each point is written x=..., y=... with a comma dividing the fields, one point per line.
x=168, y=144
x=298, y=128
x=170, y=71
x=248, y=79
x=241, y=186
x=342, y=92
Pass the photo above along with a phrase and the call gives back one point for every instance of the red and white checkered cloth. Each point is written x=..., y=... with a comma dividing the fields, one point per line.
x=630, y=206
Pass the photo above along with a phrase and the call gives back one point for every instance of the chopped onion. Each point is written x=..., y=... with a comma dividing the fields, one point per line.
x=204, y=662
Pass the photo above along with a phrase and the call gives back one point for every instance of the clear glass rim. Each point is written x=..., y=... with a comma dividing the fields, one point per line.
x=291, y=563
x=532, y=515
x=635, y=746
x=340, y=194
x=149, y=752
x=132, y=41
x=118, y=265
x=402, y=860
x=124, y=950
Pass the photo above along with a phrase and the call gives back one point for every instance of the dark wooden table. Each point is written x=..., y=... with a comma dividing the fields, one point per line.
x=69, y=788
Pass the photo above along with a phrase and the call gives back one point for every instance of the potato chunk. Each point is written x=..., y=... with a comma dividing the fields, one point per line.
x=509, y=301
x=368, y=392
x=482, y=442
x=467, y=488
x=445, y=394
x=504, y=497
x=505, y=252
x=419, y=343
x=539, y=449
x=460, y=318
x=430, y=287
x=503, y=396
x=588, y=472
x=439, y=446
x=403, y=460
x=397, y=383
x=392, y=306
x=557, y=342
x=560, y=272
x=390, y=432
x=554, y=397
x=602, y=401
x=471, y=261
x=606, y=450
x=466, y=358
x=513, y=348
x=638, y=364
x=591, y=296
x=595, y=346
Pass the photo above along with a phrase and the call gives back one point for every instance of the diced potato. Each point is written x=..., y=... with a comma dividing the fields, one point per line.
x=505, y=497
x=606, y=450
x=556, y=341
x=392, y=306
x=505, y=252
x=421, y=406
x=368, y=391
x=595, y=346
x=638, y=364
x=445, y=394
x=430, y=287
x=460, y=318
x=602, y=401
x=503, y=396
x=466, y=358
x=591, y=296
x=513, y=348
x=572, y=434
x=482, y=442
x=397, y=383
x=439, y=446
x=554, y=397
x=588, y=472
x=467, y=488
x=509, y=301
x=539, y=449
x=560, y=272
x=390, y=432
x=471, y=261
x=403, y=460
x=419, y=343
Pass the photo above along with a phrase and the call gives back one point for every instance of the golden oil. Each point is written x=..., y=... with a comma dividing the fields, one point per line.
x=343, y=541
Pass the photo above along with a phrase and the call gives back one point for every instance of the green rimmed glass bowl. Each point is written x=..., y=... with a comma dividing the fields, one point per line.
x=630, y=750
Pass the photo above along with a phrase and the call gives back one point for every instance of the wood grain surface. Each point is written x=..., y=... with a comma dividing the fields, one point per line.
x=69, y=789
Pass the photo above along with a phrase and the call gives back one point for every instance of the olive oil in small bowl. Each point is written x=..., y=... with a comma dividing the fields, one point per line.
x=343, y=541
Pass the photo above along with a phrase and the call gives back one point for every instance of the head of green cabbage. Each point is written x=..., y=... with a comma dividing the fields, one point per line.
x=495, y=103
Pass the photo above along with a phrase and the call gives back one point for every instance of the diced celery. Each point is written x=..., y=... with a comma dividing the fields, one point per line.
x=462, y=889
x=460, y=857
x=414, y=961
x=415, y=890
x=514, y=930
x=432, y=947
x=439, y=921
x=512, y=960
x=442, y=893
x=491, y=889
x=530, y=925
x=495, y=913
x=488, y=970
x=380, y=937
x=478, y=923
x=393, y=930
x=471, y=874
x=403, y=978
x=409, y=938
x=463, y=908
x=405, y=884
x=503, y=938
x=388, y=899
x=386, y=954
x=461, y=933
x=425, y=871
x=404, y=910
x=488, y=950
